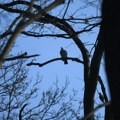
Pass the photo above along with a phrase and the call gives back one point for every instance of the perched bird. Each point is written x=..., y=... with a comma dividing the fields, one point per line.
x=63, y=54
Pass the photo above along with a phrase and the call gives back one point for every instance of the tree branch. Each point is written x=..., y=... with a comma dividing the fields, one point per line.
x=22, y=56
x=53, y=60
x=22, y=25
x=108, y=109
x=91, y=84
x=33, y=34
x=66, y=9
x=97, y=108
x=21, y=110
x=61, y=24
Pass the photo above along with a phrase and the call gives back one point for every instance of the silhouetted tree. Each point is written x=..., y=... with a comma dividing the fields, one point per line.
x=110, y=27
x=33, y=18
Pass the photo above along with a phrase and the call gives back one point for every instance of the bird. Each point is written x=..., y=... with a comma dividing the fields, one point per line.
x=63, y=54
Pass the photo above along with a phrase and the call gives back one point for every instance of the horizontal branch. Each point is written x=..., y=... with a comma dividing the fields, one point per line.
x=33, y=34
x=53, y=60
x=82, y=19
x=22, y=56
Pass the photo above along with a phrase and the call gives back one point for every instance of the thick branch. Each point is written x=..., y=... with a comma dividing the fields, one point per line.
x=33, y=34
x=21, y=26
x=46, y=9
x=91, y=84
x=61, y=24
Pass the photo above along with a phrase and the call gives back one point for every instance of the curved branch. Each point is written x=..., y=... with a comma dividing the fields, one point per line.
x=61, y=24
x=53, y=60
x=21, y=110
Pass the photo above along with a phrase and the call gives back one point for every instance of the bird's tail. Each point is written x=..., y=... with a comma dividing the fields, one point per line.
x=65, y=62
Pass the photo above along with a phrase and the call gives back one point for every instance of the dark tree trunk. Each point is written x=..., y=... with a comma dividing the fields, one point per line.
x=91, y=84
x=111, y=27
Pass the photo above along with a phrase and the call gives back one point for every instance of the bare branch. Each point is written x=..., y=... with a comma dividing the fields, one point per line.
x=97, y=108
x=21, y=110
x=66, y=8
x=53, y=60
x=22, y=56
x=45, y=35
x=22, y=25
x=54, y=5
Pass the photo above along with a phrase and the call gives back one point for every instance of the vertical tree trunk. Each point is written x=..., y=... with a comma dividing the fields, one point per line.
x=91, y=84
x=111, y=27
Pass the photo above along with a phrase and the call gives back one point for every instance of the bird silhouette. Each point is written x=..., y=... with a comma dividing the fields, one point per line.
x=63, y=54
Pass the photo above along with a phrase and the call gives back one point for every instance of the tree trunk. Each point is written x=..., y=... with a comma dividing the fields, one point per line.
x=111, y=27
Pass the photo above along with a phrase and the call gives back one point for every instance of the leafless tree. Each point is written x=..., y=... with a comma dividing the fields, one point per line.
x=19, y=98
x=13, y=85
x=31, y=18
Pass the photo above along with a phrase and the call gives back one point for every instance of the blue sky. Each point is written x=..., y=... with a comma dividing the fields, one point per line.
x=49, y=48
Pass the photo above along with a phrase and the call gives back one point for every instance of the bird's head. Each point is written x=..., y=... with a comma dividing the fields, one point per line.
x=61, y=48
